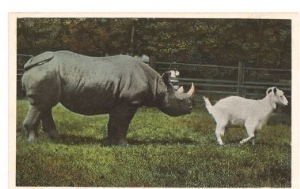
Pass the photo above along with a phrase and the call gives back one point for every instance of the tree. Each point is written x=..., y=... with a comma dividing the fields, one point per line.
x=257, y=42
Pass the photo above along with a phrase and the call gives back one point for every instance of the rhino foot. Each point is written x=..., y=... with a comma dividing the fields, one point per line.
x=56, y=138
x=31, y=136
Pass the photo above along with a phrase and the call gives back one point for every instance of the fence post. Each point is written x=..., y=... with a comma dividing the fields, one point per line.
x=152, y=62
x=241, y=74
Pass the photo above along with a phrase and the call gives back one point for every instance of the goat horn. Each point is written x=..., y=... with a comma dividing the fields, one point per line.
x=269, y=89
x=192, y=90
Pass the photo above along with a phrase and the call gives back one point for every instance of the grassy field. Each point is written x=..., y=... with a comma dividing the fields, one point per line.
x=163, y=152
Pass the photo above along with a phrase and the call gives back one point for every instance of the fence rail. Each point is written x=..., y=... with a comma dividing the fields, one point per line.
x=224, y=87
x=198, y=66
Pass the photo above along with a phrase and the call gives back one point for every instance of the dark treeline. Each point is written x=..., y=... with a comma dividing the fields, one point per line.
x=257, y=42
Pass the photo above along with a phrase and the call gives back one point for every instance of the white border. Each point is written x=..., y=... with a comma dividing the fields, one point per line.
x=187, y=6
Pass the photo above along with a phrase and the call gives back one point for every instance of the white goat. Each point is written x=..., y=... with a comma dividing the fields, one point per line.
x=250, y=113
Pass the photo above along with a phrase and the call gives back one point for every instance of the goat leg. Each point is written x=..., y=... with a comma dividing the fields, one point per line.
x=250, y=127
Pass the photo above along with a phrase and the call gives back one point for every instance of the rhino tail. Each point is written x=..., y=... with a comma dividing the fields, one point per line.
x=39, y=60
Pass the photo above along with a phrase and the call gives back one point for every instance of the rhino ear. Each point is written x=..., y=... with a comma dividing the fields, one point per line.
x=166, y=79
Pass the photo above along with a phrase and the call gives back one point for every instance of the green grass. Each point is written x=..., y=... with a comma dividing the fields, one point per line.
x=163, y=152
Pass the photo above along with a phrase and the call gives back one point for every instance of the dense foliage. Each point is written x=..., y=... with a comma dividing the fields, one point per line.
x=258, y=42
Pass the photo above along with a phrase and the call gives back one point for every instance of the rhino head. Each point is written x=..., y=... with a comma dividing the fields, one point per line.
x=175, y=103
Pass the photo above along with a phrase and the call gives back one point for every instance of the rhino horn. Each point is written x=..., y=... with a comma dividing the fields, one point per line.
x=180, y=89
x=192, y=90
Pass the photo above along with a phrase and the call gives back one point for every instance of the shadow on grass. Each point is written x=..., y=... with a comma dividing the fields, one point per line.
x=184, y=141
x=81, y=140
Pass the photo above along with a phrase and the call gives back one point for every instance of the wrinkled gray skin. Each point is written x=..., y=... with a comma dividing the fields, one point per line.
x=115, y=85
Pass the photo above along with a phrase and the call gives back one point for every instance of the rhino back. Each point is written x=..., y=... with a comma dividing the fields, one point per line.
x=95, y=85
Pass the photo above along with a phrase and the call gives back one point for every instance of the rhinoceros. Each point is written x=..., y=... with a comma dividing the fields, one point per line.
x=114, y=85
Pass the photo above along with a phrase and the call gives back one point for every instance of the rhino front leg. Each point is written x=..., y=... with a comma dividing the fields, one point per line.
x=118, y=124
x=31, y=122
x=49, y=125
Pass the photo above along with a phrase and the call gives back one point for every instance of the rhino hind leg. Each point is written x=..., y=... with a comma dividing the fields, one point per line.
x=31, y=122
x=48, y=125
x=118, y=124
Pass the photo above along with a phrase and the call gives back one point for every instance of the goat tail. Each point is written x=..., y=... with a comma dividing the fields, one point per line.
x=208, y=104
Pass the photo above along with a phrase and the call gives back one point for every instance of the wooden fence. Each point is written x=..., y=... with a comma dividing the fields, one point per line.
x=217, y=86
